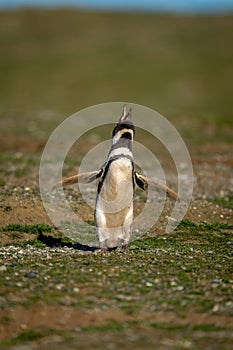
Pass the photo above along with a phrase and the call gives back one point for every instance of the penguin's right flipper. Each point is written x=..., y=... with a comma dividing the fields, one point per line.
x=143, y=182
x=84, y=178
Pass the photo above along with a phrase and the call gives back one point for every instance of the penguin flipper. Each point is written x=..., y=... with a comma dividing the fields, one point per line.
x=143, y=182
x=84, y=178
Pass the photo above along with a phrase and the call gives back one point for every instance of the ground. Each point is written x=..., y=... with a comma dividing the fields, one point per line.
x=168, y=291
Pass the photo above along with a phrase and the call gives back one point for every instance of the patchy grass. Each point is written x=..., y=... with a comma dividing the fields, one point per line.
x=7, y=208
x=165, y=284
x=35, y=229
x=188, y=256
x=204, y=226
x=225, y=202
x=29, y=336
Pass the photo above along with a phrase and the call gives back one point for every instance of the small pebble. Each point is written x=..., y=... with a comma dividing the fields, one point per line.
x=133, y=337
x=30, y=274
x=148, y=284
x=180, y=288
x=216, y=308
x=3, y=268
x=59, y=286
x=19, y=284
x=2, y=301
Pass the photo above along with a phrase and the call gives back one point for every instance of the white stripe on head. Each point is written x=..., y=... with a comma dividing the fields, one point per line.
x=119, y=134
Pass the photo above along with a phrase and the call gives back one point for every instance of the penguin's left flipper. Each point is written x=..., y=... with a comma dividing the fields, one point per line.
x=143, y=182
x=84, y=178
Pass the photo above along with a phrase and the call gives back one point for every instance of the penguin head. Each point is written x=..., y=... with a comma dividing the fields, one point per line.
x=124, y=128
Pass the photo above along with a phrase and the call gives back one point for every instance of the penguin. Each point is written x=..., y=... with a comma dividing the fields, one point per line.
x=115, y=191
x=116, y=182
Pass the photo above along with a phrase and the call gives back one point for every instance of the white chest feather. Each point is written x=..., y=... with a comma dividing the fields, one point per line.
x=115, y=200
x=117, y=182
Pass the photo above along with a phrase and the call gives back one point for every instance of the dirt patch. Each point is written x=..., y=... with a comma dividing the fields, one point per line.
x=24, y=215
x=42, y=315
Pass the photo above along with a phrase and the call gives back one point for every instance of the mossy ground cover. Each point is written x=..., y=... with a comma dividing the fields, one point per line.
x=168, y=291
x=167, y=284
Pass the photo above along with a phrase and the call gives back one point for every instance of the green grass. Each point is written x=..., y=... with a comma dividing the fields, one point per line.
x=186, y=262
x=35, y=229
x=112, y=325
x=187, y=271
x=226, y=202
x=208, y=328
x=7, y=208
x=2, y=182
x=15, y=158
x=30, y=336
x=5, y=320
x=204, y=226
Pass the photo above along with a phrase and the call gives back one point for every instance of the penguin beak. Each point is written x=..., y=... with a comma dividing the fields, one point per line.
x=125, y=117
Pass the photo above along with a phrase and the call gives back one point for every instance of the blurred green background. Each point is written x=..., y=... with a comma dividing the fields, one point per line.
x=56, y=62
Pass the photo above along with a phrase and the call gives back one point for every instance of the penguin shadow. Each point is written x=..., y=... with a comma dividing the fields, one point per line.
x=53, y=242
